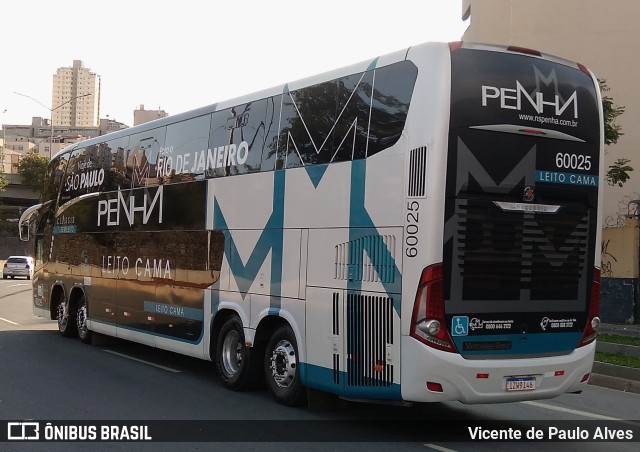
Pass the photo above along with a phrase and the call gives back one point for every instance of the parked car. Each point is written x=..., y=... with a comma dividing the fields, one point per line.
x=18, y=266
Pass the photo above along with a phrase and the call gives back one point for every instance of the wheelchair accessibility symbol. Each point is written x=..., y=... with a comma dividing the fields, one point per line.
x=460, y=325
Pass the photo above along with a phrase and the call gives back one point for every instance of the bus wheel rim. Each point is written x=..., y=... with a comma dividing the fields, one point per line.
x=283, y=364
x=232, y=353
x=62, y=315
x=82, y=319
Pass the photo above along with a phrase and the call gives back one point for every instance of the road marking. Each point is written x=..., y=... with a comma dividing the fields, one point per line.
x=440, y=448
x=9, y=321
x=570, y=411
x=143, y=361
x=16, y=285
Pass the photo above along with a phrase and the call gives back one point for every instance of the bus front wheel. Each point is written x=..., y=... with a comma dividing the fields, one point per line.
x=237, y=365
x=282, y=368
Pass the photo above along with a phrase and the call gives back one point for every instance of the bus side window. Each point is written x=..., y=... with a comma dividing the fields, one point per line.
x=327, y=122
x=113, y=155
x=183, y=156
x=352, y=125
x=75, y=176
x=142, y=160
x=271, y=157
x=39, y=251
x=236, y=140
x=54, y=178
x=392, y=90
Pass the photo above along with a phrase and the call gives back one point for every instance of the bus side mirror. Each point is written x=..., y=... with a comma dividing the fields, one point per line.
x=24, y=232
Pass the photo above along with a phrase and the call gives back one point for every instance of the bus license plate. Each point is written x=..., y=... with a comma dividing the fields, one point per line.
x=521, y=384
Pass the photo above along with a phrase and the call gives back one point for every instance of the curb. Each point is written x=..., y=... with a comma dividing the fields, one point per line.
x=622, y=372
x=630, y=351
x=616, y=383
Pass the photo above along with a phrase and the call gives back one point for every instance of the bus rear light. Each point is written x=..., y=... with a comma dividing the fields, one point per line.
x=593, y=321
x=584, y=69
x=428, y=323
x=453, y=46
x=524, y=50
x=434, y=387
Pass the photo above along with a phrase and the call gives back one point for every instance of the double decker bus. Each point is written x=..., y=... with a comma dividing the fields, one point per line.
x=419, y=227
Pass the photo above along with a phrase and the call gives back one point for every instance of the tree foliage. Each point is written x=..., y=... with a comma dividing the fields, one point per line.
x=612, y=131
x=618, y=173
x=32, y=167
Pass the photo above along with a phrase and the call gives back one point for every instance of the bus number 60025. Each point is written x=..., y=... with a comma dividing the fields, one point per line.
x=411, y=229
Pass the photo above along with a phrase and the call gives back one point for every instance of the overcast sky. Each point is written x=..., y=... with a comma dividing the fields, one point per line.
x=177, y=56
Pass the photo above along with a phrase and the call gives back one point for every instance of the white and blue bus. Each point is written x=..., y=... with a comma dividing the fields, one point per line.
x=420, y=227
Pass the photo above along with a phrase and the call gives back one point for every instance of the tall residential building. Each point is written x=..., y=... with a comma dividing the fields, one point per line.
x=75, y=98
x=600, y=35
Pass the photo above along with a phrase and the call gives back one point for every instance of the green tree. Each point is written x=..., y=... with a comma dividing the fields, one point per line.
x=3, y=180
x=618, y=173
x=32, y=167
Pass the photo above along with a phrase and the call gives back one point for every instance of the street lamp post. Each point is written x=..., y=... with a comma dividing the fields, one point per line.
x=51, y=110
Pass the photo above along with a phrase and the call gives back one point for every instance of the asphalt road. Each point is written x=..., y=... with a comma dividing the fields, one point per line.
x=47, y=378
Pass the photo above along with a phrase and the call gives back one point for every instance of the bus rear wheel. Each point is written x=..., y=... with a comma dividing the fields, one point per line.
x=81, y=320
x=66, y=320
x=282, y=368
x=237, y=365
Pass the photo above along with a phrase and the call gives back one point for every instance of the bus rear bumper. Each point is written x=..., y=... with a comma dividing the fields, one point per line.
x=485, y=381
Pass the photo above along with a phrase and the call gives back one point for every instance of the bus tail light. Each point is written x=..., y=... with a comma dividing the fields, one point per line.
x=453, y=46
x=428, y=323
x=593, y=321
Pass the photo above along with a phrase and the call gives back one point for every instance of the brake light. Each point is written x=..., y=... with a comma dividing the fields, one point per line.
x=428, y=323
x=455, y=45
x=593, y=319
x=584, y=69
x=524, y=50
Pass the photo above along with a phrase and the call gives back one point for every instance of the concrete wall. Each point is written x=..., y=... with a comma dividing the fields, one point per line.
x=620, y=283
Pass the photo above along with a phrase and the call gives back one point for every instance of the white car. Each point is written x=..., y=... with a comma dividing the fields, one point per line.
x=18, y=266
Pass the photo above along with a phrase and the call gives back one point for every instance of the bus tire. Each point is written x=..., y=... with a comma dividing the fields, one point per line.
x=66, y=320
x=81, y=320
x=237, y=365
x=282, y=368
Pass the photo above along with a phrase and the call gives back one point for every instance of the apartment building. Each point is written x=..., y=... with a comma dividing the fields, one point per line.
x=75, y=100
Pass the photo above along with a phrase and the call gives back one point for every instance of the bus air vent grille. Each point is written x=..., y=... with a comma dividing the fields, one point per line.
x=369, y=331
x=515, y=250
x=417, y=172
x=369, y=259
